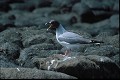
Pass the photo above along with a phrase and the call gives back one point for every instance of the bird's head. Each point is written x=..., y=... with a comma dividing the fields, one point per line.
x=52, y=25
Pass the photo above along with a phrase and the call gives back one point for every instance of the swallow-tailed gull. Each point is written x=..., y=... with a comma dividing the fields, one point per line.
x=66, y=38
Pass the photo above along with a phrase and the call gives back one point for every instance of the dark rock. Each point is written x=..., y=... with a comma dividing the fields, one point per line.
x=39, y=3
x=91, y=66
x=110, y=40
x=116, y=59
x=28, y=33
x=34, y=36
x=2, y=27
x=37, y=39
x=114, y=22
x=28, y=73
x=47, y=11
x=38, y=50
x=22, y=6
x=11, y=35
x=7, y=20
x=66, y=19
x=104, y=35
x=80, y=8
x=116, y=5
x=102, y=9
x=107, y=50
x=90, y=17
x=4, y=6
x=58, y=3
x=10, y=50
x=108, y=4
x=31, y=20
x=5, y=63
x=96, y=28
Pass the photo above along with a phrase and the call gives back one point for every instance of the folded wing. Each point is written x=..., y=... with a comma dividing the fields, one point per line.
x=73, y=38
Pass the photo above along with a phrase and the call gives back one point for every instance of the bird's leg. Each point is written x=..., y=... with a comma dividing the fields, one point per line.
x=67, y=52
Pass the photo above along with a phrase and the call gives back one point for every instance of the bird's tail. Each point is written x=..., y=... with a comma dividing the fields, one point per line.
x=96, y=41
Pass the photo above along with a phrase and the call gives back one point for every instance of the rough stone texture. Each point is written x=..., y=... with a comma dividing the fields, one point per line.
x=47, y=11
x=91, y=66
x=116, y=59
x=5, y=63
x=102, y=50
x=39, y=50
x=10, y=35
x=10, y=50
x=80, y=8
x=27, y=73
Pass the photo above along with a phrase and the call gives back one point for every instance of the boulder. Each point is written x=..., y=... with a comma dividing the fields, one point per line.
x=91, y=66
x=28, y=73
x=107, y=50
x=10, y=50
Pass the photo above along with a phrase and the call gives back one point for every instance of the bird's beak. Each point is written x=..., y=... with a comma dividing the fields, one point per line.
x=48, y=28
x=49, y=25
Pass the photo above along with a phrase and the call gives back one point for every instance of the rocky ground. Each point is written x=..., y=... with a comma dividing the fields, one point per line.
x=27, y=51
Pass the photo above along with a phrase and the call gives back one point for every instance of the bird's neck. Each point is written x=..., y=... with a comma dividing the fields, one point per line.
x=60, y=30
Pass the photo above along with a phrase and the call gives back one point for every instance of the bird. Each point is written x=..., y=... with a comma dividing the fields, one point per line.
x=66, y=38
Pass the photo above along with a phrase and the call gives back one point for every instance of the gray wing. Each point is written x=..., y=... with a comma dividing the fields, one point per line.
x=73, y=38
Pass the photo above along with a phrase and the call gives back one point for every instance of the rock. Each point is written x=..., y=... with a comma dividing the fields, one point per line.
x=40, y=63
x=108, y=4
x=4, y=6
x=22, y=6
x=114, y=21
x=110, y=40
x=39, y=3
x=31, y=20
x=66, y=19
x=2, y=27
x=31, y=37
x=80, y=8
x=104, y=35
x=96, y=28
x=7, y=20
x=37, y=39
x=28, y=33
x=85, y=27
x=100, y=7
x=28, y=73
x=5, y=63
x=47, y=11
x=91, y=66
x=116, y=59
x=10, y=35
x=57, y=3
x=64, y=6
x=25, y=18
x=38, y=50
x=116, y=5
x=10, y=50
x=107, y=50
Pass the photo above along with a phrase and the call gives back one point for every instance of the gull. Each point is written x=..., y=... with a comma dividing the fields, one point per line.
x=66, y=38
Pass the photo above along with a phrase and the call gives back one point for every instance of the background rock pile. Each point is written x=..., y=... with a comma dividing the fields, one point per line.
x=28, y=51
